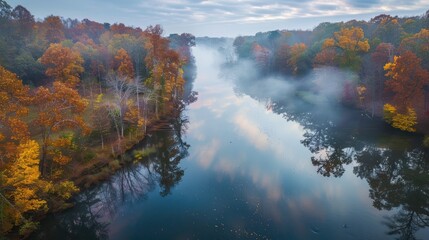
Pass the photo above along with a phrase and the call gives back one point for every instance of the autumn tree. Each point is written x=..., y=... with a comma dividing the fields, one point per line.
x=22, y=179
x=383, y=53
x=155, y=46
x=25, y=193
x=173, y=76
x=14, y=98
x=164, y=65
x=261, y=56
x=124, y=65
x=406, y=81
x=14, y=134
x=120, y=28
x=404, y=121
x=296, y=57
x=59, y=109
x=63, y=64
x=53, y=29
x=348, y=43
x=375, y=76
x=325, y=57
x=419, y=45
x=134, y=46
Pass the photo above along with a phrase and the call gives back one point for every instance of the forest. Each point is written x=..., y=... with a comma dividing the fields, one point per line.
x=389, y=54
x=75, y=95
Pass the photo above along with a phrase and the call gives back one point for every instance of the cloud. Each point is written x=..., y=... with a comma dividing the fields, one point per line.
x=207, y=153
x=189, y=15
x=210, y=11
x=251, y=131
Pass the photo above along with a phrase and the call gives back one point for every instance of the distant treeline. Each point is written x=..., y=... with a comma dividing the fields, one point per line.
x=389, y=53
x=73, y=96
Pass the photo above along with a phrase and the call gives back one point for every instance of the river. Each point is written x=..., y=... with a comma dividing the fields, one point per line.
x=259, y=159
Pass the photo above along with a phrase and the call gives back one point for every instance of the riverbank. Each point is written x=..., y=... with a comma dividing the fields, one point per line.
x=105, y=163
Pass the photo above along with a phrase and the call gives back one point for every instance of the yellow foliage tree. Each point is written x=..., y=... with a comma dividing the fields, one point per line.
x=405, y=122
x=349, y=42
x=22, y=178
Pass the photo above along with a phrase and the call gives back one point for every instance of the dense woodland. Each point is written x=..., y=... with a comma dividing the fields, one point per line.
x=73, y=96
x=389, y=54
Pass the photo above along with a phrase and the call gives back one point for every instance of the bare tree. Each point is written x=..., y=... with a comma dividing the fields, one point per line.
x=121, y=89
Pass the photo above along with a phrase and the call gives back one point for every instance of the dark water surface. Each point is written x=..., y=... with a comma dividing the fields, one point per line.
x=248, y=160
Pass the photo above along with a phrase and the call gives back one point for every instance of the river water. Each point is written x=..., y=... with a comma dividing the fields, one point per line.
x=260, y=159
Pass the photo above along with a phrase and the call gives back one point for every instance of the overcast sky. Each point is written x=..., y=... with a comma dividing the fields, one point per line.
x=222, y=17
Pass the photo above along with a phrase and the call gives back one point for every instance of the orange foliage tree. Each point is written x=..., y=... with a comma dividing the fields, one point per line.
x=14, y=97
x=53, y=29
x=63, y=64
x=164, y=65
x=59, y=108
x=13, y=133
x=406, y=80
x=124, y=63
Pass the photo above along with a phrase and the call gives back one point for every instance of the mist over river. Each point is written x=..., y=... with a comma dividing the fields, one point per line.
x=260, y=158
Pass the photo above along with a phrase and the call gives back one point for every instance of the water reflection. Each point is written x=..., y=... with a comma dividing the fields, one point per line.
x=394, y=164
x=97, y=208
x=83, y=222
x=398, y=179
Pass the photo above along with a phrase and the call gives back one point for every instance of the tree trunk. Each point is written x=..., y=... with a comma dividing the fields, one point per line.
x=43, y=160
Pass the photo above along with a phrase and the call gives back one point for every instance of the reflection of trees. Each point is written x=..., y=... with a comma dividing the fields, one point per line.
x=82, y=222
x=132, y=183
x=167, y=158
x=332, y=162
x=331, y=149
x=394, y=165
x=95, y=208
x=398, y=180
x=406, y=223
x=129, y=185
x=398, y=176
